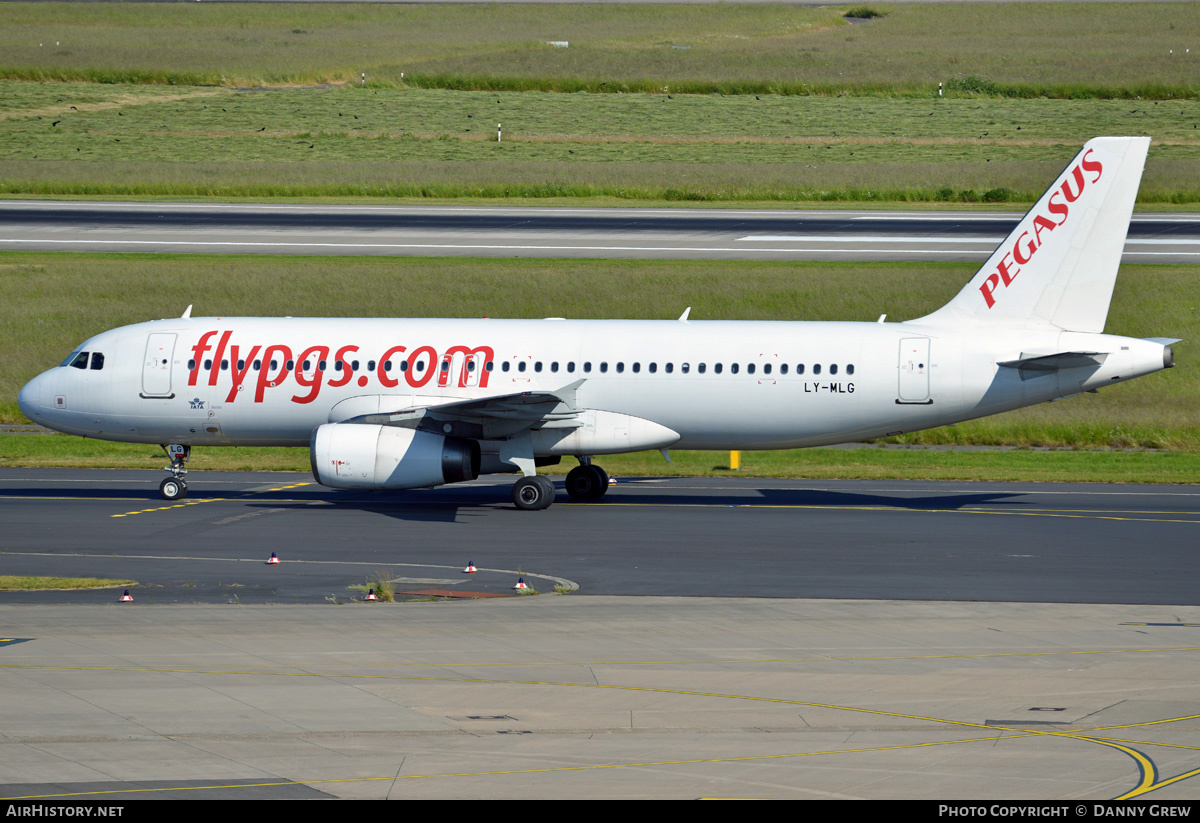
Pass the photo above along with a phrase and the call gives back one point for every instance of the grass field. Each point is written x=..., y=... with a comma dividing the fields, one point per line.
x=1029, y=465
x=58, y=300
x=81, y=138
x=1122, y=50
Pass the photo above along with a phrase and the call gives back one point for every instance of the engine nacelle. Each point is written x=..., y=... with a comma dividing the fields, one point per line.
x=365, y=456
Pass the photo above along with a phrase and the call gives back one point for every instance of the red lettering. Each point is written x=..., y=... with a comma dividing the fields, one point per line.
x=1030, y=249
x=216, y=363
x=198, y=351
x=1058, y=208
x=384, y=377
x=1066, y=186
x=414, y=360
x=468, y=355
x=988, y=287
x=313, y=383
x=346, y=373
x=239, y=374
x=1040, y=223
x=264, y=375
x=1092, y=165
x=1005, y=274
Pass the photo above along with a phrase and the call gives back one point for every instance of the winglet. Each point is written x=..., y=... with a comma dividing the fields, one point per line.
x=187, y=313
x=683, y=317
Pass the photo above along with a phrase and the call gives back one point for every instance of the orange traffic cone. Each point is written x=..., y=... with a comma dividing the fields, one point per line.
x=127, y=597
x=520, y=583
x=274, y=561
x=371, y=596
x=470, y=569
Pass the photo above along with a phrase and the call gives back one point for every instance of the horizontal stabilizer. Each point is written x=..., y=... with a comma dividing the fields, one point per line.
x=1038, y=365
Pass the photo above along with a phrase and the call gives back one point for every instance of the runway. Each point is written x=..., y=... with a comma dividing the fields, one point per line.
x=712, y=234
x=687, y=537
x=716, y=637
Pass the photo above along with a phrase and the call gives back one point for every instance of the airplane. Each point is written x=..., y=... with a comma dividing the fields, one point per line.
x=386, y=403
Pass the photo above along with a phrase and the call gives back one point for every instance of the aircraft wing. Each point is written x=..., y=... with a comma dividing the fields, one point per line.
x=488, y=418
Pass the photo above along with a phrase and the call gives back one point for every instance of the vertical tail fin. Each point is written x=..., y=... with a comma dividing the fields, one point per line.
x=1059, y=265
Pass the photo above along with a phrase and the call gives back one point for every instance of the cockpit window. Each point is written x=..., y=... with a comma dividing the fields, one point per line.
x=77, y=359
x=97, y=361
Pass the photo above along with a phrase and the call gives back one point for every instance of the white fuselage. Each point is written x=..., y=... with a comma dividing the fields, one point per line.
x=644, y=384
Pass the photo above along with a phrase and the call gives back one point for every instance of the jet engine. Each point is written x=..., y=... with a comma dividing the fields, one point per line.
x=365, y=456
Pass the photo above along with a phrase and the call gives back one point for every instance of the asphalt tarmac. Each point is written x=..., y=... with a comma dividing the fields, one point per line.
x=742, y=234
x=690, y=638
x=685, y=537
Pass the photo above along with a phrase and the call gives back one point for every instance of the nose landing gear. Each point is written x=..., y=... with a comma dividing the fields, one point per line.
x=174, y=487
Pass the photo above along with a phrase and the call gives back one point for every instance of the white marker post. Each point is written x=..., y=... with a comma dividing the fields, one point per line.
x=364, y=80
x=497, y=132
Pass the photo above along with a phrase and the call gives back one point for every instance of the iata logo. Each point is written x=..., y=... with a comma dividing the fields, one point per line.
x=1030, y=240
x=196, y=404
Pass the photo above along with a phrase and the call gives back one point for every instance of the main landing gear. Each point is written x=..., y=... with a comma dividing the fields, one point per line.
x=174, y=487
x=585, y=483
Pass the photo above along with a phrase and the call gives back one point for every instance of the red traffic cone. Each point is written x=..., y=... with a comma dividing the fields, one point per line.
x=371, y=596
x=274, y=561
x=520, y=583
x=470, y=569
x=127, y=597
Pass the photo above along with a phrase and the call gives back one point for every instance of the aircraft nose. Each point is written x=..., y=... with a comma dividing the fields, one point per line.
x=29, y=399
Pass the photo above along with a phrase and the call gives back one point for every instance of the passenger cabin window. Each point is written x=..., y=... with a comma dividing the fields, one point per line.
x=783, y=368
x=816, y=368
x=702, y=367
x=850, y=368
x=684, y=367
x=799, y=368
x=97, y=361
x=833, y=369
x=717, y=368
x=505, y=366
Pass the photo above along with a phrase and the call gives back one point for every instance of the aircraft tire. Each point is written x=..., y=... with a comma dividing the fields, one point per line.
x=533, y=493
x=172, y=489
x=586, y=483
